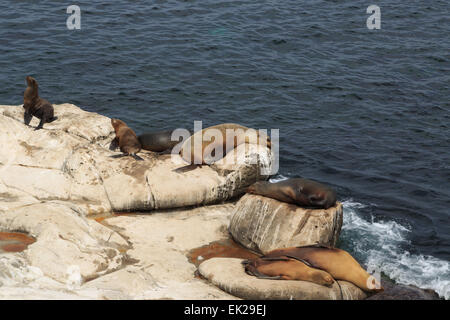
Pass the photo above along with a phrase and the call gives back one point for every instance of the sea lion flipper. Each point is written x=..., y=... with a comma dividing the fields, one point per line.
x=262, y=276
x=302, y=260
x=41, y=124
x=136, y=157
x=251, y=270
x=316, y=245
x=117, y=156
x=27, y=118
x=114, y=144
x=187, y=168
x=281, y=258
x=245, y=262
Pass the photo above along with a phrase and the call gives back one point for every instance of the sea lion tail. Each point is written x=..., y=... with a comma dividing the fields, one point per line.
x=52, y=119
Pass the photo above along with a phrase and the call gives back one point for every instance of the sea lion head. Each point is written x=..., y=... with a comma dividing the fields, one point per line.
x=117, y=124
x=31, y=82
x=322, y=197
x=256, y=187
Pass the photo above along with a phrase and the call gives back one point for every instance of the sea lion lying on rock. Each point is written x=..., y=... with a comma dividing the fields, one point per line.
x=231, y=134
x=302, y=192
x=336, y=262
x=126, y=138
x=36, y=106
x=286, y=269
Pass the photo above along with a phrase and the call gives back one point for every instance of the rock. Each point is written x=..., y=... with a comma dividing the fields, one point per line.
x=394, y=291
x=19, y=281
x=263, y=224
x=65, y=240
x=154, y=266
x=161, y=242
x=229, y=275
x=70, y=160
x=52, y=179
x=88, y=126
x=12, y=198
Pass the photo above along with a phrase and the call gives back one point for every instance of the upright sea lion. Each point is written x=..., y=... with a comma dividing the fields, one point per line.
x=298, y=191
x=157, y=141
x=284, y=268
x=36, y=106
x=127, y=140
x=338, y=263
x=230, y=136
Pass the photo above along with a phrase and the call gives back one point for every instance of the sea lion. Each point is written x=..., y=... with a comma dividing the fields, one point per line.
x=126, y=138
x=284, y=268
x=338, y=263
x=36, y=106
x=157, y=141
x=298, y=191
x=208, y=149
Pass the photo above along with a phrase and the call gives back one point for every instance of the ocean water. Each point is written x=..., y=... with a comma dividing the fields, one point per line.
x=365, y=111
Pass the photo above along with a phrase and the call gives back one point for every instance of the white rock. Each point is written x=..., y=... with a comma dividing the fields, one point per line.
x=64, y=240
x=229, y=275
x=264, y=224
x=70, y=160
x=161, y=242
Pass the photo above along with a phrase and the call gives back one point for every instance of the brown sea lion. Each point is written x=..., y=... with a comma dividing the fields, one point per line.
x=126, y=138
x=157, y=141
x=36, y=106
x=338, y=263
x=209, y=150
x=284, y=268
x=302, y=192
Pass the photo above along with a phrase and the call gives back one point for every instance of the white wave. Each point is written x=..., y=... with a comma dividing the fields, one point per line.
x=277, y=178
x=379, y=246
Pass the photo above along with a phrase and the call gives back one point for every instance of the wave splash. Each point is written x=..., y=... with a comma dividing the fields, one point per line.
x=378, y=245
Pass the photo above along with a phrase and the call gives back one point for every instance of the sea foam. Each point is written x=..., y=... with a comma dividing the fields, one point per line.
x=379, y=245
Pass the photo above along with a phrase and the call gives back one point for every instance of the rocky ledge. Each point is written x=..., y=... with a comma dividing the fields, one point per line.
x=70, y=161
x=52, y=180
x=263, y=224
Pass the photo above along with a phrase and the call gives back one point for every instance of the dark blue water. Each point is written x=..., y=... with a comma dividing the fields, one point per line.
x=366, y=111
